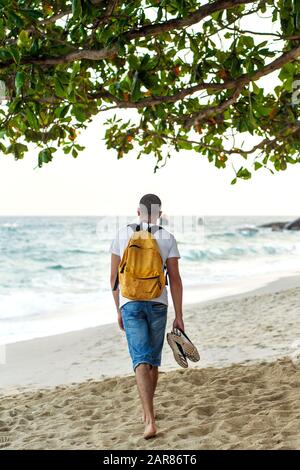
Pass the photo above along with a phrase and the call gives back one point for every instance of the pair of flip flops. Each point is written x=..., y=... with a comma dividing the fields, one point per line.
x=182, y=347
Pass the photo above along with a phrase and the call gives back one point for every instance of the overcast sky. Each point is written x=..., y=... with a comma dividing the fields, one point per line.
x=97, y=183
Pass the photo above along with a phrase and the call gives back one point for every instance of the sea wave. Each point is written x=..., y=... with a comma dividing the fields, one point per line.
x=79, y=251
x=10, y=225
x=58, y=267
x=235, y=252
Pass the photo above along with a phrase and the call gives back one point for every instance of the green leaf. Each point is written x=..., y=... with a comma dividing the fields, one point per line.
x=135, y=87
x=67, y=150
x=15, y=19
x=4, y=54
x=296, y=6
x=17, y=149
x=217, y=15
x=2, y=29
x=235, y=66
x=159, y=13
x=256, y=89
x=35, y=14
x=288, y=84
x=24, y=39
x=283, y=165
x=194, y=47
x=248, y=41
x=62, y=111
x=19, y=81
x=15, y=53
x=60, y=89
x=144, y=62
x=45, y=156
x=263, y=7
x=243, y=173
x=78, y=112
x=134, y=62
x=297, y=21
x=32, y=119
x=76, y=9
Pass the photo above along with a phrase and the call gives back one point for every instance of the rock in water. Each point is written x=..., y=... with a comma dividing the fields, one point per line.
x=275, y=225
x=294, y=225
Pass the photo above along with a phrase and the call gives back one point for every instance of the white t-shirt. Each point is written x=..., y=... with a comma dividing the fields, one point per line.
x=167, y=246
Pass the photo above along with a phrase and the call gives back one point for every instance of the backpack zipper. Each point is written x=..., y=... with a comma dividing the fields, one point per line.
x=153, y=277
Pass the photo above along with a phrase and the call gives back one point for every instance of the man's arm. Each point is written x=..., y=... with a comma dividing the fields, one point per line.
x=176, y=291
x=115, y=261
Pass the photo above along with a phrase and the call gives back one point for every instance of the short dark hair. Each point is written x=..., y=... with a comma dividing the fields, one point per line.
x=150, y=205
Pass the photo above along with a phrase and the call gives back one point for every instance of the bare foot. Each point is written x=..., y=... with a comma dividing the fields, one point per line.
x=150, y=430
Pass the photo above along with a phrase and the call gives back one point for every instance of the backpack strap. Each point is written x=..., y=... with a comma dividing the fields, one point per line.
x=116, y=283
x=154, y=229
x=135, y=227
x=167, y=274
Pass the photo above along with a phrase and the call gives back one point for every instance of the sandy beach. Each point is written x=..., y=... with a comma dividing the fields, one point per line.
x=77, y=390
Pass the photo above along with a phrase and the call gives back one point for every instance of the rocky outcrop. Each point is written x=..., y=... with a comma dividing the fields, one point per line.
x=274, y=225
x=293, y=225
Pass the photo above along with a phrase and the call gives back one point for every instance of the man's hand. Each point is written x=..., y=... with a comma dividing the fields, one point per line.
x=120, y=321
x=178, y=323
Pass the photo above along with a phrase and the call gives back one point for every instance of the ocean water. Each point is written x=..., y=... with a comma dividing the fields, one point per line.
x=54, y=271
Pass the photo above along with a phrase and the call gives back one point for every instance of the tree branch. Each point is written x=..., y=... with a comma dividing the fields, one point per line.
x=111, y=5
x=147, y=30
x=267, y=142
x=270, y=142
x=243, y=80
x=89, y=54
x=211, y=110
x=189, y=20
x=54, y=17
x=194, y=118
x=238, y=83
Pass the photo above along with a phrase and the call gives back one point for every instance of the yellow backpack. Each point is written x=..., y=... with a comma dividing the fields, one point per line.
x=141, y=271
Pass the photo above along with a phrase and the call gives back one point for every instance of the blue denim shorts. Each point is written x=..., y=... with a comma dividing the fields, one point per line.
x=145, y=325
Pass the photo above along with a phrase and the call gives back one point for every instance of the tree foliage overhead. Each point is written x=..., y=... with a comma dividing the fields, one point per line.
x=189, y=69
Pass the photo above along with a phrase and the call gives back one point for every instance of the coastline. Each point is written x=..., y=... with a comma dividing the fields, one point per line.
x=66, y=391
x=224, y=337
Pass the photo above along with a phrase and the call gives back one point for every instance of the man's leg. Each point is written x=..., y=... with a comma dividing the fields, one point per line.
x=154, y=379
x=144, y=380
x=139, y=345
x=157, y=319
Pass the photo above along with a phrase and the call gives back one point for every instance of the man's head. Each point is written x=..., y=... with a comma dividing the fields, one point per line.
x=149, y=208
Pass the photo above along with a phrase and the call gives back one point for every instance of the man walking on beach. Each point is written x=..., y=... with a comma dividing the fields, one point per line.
x=144, y=320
